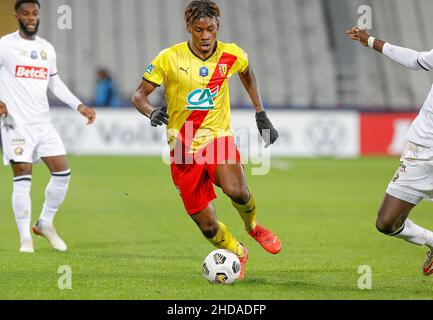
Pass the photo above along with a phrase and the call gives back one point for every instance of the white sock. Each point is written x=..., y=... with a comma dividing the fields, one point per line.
x=22, y=205
x=55, y=195
x=415, y=234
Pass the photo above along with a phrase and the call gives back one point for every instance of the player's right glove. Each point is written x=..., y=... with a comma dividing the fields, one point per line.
x=266, y=129
x=158, y=117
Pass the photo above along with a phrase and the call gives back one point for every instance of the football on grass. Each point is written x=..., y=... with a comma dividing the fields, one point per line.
x=221, y=267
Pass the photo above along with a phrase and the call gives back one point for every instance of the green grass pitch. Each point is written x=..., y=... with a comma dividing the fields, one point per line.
x=129, y=237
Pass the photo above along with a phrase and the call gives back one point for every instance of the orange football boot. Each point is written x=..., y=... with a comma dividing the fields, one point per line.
x=243, y=261
x=268, y=240
x=428, y=265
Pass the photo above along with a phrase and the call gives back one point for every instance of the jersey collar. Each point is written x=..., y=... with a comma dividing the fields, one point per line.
x=18, y=35
x=204, y=60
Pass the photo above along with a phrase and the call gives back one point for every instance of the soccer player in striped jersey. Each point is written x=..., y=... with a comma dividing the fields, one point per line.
x=413, y=180
x=203, y=152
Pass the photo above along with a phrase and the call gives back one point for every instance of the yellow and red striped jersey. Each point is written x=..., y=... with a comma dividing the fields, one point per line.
x=197, y=91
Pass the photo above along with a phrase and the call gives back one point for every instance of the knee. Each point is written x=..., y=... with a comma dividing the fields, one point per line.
x=19, y=172
x=238, y=194
x=387, y=226
x=21, y=169
x=209, y=229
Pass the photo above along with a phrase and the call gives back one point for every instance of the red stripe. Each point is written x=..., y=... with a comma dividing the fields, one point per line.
x=197, y=117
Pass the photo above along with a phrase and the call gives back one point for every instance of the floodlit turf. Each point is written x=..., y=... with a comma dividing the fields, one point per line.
x=129, y=237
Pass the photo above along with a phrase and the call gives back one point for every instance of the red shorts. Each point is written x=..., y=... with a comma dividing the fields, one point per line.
x=194, y=177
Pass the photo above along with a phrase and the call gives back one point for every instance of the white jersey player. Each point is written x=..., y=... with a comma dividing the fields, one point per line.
x=27, y=69
x=413, y=180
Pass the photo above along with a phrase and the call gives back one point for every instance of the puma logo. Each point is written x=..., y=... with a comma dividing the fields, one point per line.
x=184, y=70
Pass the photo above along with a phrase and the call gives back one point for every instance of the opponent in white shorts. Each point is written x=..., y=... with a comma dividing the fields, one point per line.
x=413, y=181
x=27, y=69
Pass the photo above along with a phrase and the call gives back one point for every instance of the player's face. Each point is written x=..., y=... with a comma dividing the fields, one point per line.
x=204, y=34
x=28, y=18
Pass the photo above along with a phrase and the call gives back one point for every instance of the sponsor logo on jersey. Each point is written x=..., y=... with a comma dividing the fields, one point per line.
x=202, y=99
x=204, y=72
x=223, y=69
x=150, y=69
x=31, y=72
x=34, y=55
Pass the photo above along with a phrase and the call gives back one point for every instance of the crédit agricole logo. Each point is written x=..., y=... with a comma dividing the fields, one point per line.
x=202, y=99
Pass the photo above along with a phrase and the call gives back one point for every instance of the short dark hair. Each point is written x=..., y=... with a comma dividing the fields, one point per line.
x=200, y=9
x=18, y=3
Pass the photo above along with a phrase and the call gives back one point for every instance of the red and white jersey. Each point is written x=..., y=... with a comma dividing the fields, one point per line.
x=25, y=70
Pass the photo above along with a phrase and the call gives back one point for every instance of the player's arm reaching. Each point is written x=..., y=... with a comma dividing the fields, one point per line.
x=61, y=91
x=409, y=58
x=157, y=116
x=266, y=129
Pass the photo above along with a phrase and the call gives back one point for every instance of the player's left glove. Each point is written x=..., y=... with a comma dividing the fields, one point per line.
x=266, y=129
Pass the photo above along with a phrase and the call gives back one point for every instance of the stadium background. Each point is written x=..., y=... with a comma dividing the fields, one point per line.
x=297, y=48
x=330, y=99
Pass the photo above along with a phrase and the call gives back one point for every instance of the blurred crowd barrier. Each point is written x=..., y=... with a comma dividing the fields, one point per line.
x=343, y=134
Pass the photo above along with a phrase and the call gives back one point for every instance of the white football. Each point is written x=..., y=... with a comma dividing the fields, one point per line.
x=221, y=267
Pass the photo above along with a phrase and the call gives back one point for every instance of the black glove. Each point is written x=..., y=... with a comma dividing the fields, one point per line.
x=266, y=129
x=158, y=117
